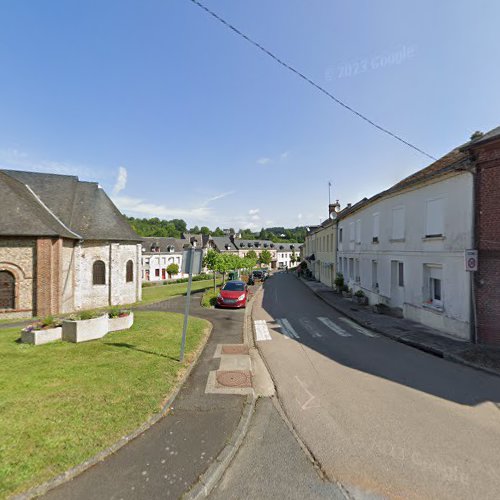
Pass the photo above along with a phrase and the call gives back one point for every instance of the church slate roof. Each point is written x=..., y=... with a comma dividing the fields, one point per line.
x=38, y=204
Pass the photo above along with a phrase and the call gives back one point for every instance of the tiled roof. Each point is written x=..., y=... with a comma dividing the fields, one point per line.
x=38, y=204
x=165, y=244
x=455, y=160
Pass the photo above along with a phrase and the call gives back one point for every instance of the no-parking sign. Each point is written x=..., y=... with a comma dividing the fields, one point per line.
x=470, y=260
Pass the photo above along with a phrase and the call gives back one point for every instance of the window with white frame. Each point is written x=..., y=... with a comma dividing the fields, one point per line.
x=358, y=231
x=376, y=227
x=351, y=231
x=434, y=218
x=356, y=270
x=433, y=281
x=351, y=269
x=340, y=235
x=398, y=223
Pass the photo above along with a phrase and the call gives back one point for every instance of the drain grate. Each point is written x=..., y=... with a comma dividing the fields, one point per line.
x=235, y=349
x=236, y=378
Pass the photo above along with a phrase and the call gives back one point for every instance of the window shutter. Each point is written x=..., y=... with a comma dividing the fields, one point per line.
x=398, y=223
x=434, y=217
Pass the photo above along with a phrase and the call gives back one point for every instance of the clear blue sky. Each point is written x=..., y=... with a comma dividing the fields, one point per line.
x=207, y=128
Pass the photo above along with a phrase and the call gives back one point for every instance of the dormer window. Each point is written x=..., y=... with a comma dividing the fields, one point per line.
x=249, y=245
x=242, y=245
x=272, y=245
x=228, y=247
x=281, y=247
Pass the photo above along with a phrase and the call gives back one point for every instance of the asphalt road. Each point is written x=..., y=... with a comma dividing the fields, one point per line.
x=384, y=419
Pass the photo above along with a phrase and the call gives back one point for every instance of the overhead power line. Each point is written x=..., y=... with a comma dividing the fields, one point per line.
x=308, y=80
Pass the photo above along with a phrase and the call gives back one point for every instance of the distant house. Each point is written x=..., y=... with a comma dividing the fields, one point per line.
x=64, y=246
x=158, y=253
x=281, y=253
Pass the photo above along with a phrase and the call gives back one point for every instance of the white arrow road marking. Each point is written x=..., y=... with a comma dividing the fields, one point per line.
x=333, y=326
x=261, y=330
x=308, y=325
x=288, y=329
x=307, y=404
x=359, y=328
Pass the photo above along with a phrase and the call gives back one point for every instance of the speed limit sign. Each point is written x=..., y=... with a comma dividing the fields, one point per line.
x=470, y=260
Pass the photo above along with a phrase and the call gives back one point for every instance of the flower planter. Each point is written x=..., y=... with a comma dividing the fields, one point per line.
x=39, y=337
x=362, y=301
x=85, y=329
x=120, y=323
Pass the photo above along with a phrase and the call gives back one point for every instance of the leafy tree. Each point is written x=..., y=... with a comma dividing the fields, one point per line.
x=247, y=234
x=251, y=254
x=210, y=262
x=195, y=230
x=204, y=230
x=293, y=257
x=265, y=257
x=218, y=232
x=172, y=269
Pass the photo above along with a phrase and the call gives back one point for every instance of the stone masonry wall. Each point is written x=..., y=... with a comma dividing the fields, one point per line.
x=116, y=291
x=17, y=255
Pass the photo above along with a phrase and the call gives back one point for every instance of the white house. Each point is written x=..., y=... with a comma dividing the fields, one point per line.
x=405, y=247
x=285, y=253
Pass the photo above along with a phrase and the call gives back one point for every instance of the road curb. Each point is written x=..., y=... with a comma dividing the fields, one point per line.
x=209, y=479
x=411, y=343
x=75, y=471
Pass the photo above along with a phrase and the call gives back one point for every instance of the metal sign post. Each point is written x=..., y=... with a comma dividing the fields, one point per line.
x=189, y=266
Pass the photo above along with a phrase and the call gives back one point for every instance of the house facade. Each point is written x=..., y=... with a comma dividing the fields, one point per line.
x=64, y=247
x=158, y=253
x=405, y=247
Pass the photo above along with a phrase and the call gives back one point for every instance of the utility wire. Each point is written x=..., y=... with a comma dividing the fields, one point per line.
x=308, y=80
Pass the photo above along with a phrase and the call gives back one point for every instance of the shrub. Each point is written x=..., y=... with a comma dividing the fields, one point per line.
x=359, y=293
x=339, y=280
x=116, y=312
x=209, y=298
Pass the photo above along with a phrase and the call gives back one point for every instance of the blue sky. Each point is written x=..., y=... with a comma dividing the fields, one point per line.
x=175, y=116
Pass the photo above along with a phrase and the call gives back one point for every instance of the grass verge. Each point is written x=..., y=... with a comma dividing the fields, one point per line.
x=153, y=294
x=61, y=403
x=209, y=298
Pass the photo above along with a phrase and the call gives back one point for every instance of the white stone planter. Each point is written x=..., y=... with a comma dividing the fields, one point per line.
x=85, y=329
x=124, y=323
x=39, y=337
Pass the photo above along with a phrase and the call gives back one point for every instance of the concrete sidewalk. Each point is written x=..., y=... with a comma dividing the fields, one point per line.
x=411, y=333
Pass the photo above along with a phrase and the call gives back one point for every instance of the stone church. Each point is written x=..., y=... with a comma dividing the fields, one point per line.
x=64, y=247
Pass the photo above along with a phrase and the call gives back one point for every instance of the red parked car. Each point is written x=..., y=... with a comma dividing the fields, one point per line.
x=233, y=294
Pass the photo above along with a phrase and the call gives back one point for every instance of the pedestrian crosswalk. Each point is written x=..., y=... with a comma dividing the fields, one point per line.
x=315, y=327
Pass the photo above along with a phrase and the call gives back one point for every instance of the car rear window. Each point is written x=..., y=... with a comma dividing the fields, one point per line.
x=234, y=286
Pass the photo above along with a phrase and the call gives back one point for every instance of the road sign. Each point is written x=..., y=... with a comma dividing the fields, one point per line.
x=193, y=265
x=470, y=260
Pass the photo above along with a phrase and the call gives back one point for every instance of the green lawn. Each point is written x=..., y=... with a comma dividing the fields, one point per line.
x=61, y=403
x=158, y=293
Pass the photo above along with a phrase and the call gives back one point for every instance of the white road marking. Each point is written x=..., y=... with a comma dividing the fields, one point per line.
x=261, y=330
x=312, y=397
x=287, y=328
x=308, y=325
x=336, y=328
x=359, y=328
